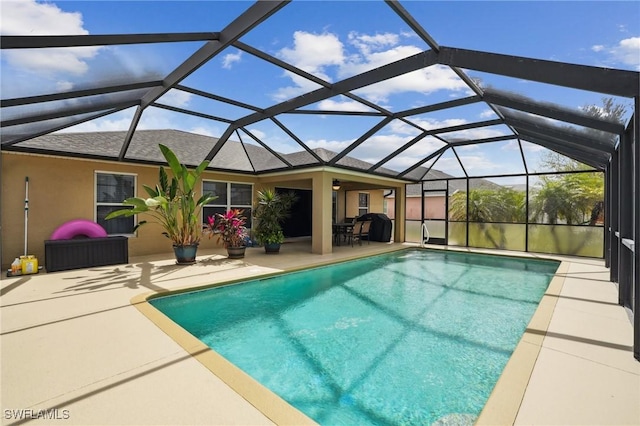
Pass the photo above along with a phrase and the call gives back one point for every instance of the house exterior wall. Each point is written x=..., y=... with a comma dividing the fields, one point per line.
x=435, y=207
x=376, y=202
x=63, y=189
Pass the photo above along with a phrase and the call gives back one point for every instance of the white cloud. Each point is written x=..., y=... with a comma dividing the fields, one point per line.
x=64, y=86
x=301, y=85
x=423, y=81
x=423, y=148
x=158, y=118
x=26, y=17
x=258, y=134
x=367, y=43
x=229, y=59
x=431, y=123
x=401, y=163
x=511, y=146
x=379, y=146
x=366, y=60
x=206, y=131
x=326, y=57
x=115, y=122
x=176, y=98
x=448, y=165
x=314, y=52
x=51, y=61
x=532, y=147
x=472, y=134
x=331, y=145
x=350, y=105
x=476, y=165
x=400, y=127
x=441, y=124
x=488, y=113
x=626, y=52
x=152, y=118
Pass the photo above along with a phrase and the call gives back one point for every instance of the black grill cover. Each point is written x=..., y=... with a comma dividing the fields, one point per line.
x=380, y=226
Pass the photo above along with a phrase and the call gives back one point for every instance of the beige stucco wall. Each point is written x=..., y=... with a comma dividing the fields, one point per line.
x=434, y=208
x=375, y=201
x=63, y=189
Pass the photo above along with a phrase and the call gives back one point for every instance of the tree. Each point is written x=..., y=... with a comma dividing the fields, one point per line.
x=490, y=209
x=609, y=111
x=574, y=198
x=489, y=205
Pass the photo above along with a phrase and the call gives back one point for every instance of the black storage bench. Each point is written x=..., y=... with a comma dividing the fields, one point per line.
x=78, y=253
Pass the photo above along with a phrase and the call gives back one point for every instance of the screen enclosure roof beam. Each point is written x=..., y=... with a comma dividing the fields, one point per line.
x=555, y=112
x=593, y=79
x=48, y=41
x=385, y=72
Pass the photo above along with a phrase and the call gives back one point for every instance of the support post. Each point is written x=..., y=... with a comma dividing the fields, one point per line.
x=636, y=234
x=400, y=214
x=321, y=218
x=607, y=220
x=612, y=214
x=625, y=221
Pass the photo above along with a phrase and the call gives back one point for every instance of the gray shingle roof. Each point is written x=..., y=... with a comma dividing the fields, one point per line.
x=189, y=147
x=435, y=181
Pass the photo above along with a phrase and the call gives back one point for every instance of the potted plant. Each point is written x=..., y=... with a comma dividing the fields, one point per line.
x=231, y=231
x=271, y=210
x=173, y=205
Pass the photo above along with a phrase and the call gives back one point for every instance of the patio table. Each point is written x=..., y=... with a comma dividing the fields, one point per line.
x=340, y=230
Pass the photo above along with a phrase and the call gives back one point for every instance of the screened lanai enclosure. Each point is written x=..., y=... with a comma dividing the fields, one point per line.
x=568, y=177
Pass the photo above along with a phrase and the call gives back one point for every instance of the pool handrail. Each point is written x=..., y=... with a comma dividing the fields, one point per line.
x=425, y=230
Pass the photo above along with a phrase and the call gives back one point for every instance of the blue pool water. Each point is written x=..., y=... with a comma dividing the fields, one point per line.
x=411, y=337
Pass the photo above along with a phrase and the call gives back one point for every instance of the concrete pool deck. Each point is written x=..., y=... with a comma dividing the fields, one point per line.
x=74, y=348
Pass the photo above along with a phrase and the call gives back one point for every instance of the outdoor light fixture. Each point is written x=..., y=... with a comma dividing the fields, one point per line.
x=336, y=185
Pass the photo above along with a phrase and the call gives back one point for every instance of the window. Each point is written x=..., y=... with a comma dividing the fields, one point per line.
x=230, y=196
x=111, y=190
x=363, y=203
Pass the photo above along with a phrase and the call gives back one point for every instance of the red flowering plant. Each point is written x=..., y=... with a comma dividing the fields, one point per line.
x=229, y=227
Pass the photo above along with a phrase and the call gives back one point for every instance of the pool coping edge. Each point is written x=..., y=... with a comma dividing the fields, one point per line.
x=263, y=399
x=504, y=402
x=501, y=407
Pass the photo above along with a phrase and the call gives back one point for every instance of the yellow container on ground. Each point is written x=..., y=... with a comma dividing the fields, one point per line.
x=29, y=264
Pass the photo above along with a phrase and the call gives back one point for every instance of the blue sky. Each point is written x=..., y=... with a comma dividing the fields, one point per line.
x=332, y=40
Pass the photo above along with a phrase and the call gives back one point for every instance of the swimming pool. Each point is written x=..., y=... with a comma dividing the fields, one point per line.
x=409, y=337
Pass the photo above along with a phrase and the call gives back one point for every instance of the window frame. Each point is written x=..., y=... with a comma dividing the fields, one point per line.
x=368, y=203
x=227, y=204
x=97, y=203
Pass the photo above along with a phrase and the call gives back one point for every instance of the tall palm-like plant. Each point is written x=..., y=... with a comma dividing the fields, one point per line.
x=172, y=202
x=488, y=205
x=571, y=198
x=271, y=210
